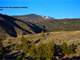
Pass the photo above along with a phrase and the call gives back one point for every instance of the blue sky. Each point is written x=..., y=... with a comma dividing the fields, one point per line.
x=53, y=8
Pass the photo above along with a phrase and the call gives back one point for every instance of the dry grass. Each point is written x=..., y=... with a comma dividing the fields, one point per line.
x=45, y=42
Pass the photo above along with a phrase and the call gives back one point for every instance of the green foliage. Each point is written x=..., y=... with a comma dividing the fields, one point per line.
x=19, y=58
x=67, y=49
x=43, y=50
x=25, y=45
x=37, y=52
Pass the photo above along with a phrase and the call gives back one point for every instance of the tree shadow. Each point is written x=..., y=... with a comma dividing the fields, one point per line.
x=35, y=28
x=58, y=51
x=8, y=28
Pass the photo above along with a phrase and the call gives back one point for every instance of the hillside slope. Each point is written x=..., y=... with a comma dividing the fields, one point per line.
x=51, y=24
x=13, y=26
x=32, y=23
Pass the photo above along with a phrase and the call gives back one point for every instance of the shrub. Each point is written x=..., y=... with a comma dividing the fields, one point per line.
x=68, y=49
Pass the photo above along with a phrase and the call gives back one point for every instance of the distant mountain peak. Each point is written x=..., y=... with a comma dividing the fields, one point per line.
x=33, y=15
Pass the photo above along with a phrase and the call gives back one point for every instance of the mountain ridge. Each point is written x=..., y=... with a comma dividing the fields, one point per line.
x=32, y=23
x=9, y=25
